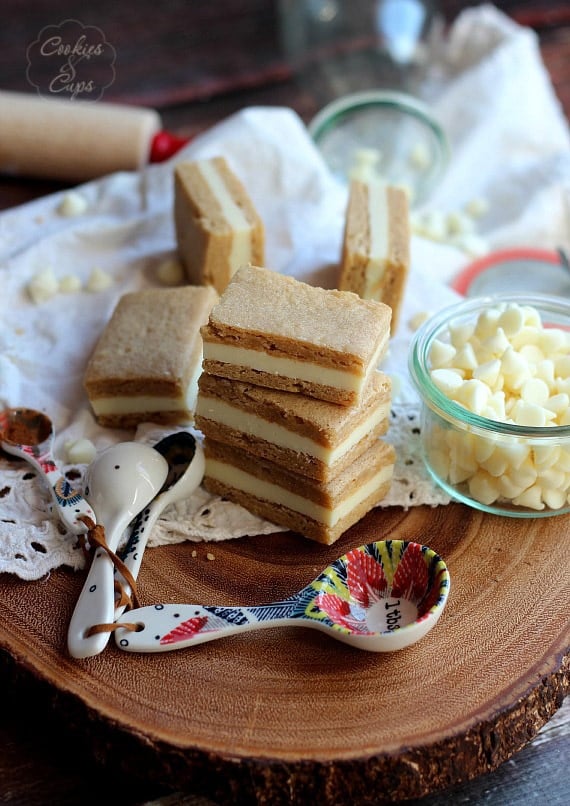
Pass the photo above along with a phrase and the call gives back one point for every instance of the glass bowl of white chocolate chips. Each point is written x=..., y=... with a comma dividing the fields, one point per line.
x=493, y=374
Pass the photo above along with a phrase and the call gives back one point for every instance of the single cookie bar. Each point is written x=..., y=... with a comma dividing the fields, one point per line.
x=316, y=438
x=376, y=246
x=146, y=364
x=217, y=227
x=317, y=510
x=275, y=331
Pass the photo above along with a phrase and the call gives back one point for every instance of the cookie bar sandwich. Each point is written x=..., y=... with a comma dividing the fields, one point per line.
x=217, y=226
x=317, y=438
x=375, y=257
x=321, y=511
x=274, y=331
x=146, y=364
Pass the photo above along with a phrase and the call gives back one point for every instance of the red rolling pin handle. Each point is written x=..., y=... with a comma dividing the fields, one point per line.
x=164, y=145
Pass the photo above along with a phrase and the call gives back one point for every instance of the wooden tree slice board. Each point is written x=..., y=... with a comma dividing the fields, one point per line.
x=281, y=715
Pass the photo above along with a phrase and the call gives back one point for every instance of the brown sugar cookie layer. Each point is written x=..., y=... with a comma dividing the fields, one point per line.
x=272, y=330
x=313, y=437
x=147, y=361
x=217, y=226
x=321, y=512
x=376, y=246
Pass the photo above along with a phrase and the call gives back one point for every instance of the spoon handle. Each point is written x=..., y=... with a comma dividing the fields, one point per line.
x=141, y=528
x=70, y=503
x=95, y=604
x=132, y=554
x=164, y=627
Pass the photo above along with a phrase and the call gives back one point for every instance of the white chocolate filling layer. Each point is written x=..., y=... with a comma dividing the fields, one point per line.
x=267, y=491
x=136, y=405
x=246, y=422
x=378, y=225
x=240, y=254
x=290, y=367
x=139, y=404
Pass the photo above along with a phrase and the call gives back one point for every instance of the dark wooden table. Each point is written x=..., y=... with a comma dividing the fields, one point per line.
x=197, y=62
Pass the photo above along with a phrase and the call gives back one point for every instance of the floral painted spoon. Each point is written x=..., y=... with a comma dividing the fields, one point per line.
x=380, y=597
x=29, y=434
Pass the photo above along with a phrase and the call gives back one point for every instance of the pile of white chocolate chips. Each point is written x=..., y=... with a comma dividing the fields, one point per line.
x=508, y=367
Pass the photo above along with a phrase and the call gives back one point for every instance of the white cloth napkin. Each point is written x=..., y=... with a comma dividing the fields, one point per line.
x=510, y=145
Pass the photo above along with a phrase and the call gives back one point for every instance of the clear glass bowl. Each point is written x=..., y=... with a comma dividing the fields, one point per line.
x=499, y=467
x=412, y=146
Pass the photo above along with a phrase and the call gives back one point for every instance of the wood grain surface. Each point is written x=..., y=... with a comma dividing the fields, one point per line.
x=289, y=713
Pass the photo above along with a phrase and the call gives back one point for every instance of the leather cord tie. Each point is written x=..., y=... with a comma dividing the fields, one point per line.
x=96, y=538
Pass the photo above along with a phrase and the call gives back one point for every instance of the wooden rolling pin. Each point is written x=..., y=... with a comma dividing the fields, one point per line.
x=74, y=141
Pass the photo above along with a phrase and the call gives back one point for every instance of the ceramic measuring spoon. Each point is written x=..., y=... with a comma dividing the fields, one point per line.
x=380, y=597
x=29, y=434
x=119, y=483
x=185, y=459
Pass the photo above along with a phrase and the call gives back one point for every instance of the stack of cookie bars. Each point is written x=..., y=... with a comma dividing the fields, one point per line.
x=290, y=400
x=292, y=405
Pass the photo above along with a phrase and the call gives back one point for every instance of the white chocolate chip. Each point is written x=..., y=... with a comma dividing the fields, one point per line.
x=552, y=479
x=474, y=395
x=80, y=451
x=459, y=224
x=488, y=373
x=511, y=320
x=531, y=353
x=554, y=499
x=487, y=323
x=563, y=461
x=418, y=319
x=72, y=204
x=545, y=371
x=43, y=286
x=484, y=488
x=508, y=488
x=364, y=165
x=528, y=414
x=477, y=207
x=562, y=366
x=546, y=456
x=441, y=354
x=98, y=280
x=535, y=390
x=530, y=498
x=420, y=157
x=460, y=334
x=447, y=380
x=170, y=272
x=465, y=358
x=558, y=403
x=69, y=284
